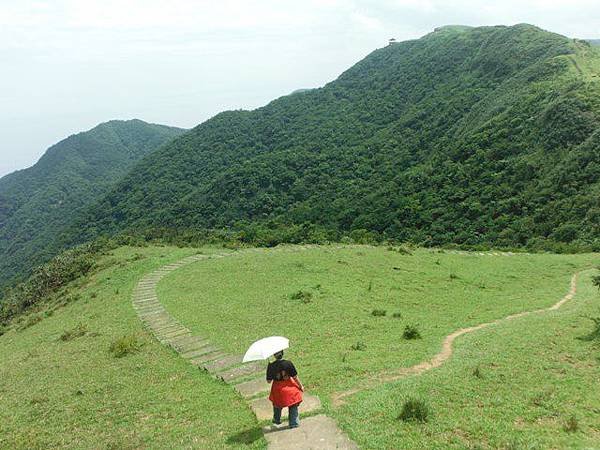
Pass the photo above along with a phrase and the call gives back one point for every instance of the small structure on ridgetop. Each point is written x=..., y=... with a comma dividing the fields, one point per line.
x=392, y=41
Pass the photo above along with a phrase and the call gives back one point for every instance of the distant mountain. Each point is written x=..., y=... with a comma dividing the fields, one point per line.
x=594, y=41
x=37, y=203
x=484, y=135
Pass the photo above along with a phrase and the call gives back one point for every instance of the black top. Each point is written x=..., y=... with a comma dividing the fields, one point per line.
x=281, y=369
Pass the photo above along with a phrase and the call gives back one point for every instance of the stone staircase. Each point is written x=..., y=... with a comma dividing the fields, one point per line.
x=316, y=432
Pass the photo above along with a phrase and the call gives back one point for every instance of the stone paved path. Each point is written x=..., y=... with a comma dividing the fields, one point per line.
x=315, y=432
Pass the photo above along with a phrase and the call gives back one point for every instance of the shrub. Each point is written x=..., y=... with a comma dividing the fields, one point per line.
x=397, y=315
x=50, y=278
x=596, y=281
x=595, y=333
x=414, y=410
x=78, y=331
x=477, y=373
x=359, y=346
x=125, y=345
x=378, y=312
x=571, y=425
x=303, y=296
x=370, y=286
x=411, y=332
x=453, y=276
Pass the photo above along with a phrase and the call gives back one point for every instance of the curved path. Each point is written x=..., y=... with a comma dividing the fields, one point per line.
x=447, y=349
x=316, y=432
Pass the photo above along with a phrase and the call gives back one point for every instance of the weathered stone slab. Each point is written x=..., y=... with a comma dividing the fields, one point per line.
x=199, y=352
x=201, y=360
x=263, y=408
x=251, y=388
x=154, y=306
x=230, y=375
x=314, y=433
x=171, y=331
x=222, y=363
x=189, y=343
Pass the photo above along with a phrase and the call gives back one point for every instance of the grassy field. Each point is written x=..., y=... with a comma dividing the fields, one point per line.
x=532, y=374
x=531, y=383
x=527, y=383
x=336, y=338
x=76, y=394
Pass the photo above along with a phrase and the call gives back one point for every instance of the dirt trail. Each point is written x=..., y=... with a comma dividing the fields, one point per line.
x=446, y=351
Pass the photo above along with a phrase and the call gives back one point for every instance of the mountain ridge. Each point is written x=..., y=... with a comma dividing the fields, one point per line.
x=437, y=106
x=37, y=202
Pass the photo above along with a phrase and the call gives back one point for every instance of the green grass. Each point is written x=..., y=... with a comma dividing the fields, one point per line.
x=236, y=300
x=528, y=383
x=537, y=389
x=74, y=393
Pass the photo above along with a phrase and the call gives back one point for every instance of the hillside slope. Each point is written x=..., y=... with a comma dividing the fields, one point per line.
x=38, y=202
x=467, y=135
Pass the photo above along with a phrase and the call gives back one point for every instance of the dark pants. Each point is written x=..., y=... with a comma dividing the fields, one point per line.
x=293, y=415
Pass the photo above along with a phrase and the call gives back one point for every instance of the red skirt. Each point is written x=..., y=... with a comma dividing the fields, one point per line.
x=285, y=393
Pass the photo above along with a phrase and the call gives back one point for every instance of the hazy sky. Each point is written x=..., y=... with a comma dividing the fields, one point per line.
x=67, y=65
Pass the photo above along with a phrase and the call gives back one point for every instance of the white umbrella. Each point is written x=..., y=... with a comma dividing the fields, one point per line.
x=266, y=347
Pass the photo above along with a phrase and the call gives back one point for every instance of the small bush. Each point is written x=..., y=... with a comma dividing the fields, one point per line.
x=477, y=373
x=453, y=276
x=125, y=345
x=303, y=296
x=414, y=410
x=93, y=295
x=397, y=315
x=30, y=321
x=594, y=335
x=359, y=346
x=411, y=332
x=370, y=286
x=378, y=312
x=403, y=250
x=571, y=425
x=596, y=281
x=78, y=331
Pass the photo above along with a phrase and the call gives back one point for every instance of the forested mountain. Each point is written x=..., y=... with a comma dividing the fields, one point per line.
x=594, y=41
x=467, y=135
x=38, y=202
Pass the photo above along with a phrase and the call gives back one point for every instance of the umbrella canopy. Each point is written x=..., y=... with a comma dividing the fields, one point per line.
x=266, y=347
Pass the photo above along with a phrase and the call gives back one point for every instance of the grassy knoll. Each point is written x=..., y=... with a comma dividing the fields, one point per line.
x=60, y=386
x=330, y=302
x=531, y=383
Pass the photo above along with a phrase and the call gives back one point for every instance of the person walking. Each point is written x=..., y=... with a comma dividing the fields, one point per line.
x=286, y=389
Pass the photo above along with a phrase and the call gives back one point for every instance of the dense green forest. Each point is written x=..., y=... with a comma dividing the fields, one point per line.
x=37, y=203
x=471, y=136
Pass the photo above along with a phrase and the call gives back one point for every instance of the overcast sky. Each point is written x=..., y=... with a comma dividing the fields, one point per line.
x=67, y=65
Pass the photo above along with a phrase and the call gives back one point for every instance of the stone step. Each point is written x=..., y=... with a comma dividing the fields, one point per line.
x=189, y=343
x=155, y=323
x=169, y=332
x=166, y=326
x=150, y=308
x=201, y=360
x=223, y=363
x=314, y=433
x=199, y=352
x=251, y=388
x=230, y=375
x=173, y=333
x=263, y=408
